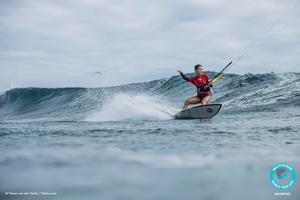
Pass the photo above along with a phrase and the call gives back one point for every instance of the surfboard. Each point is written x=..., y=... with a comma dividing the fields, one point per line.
x=199, y=112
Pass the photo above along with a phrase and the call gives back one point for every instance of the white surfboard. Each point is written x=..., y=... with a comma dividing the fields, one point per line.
x=199, y=112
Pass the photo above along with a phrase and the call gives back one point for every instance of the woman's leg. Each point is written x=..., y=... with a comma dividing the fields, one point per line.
x=192, y=100
x=205, y=100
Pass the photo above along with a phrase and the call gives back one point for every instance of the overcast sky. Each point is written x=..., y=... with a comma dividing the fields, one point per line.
x=63, y=43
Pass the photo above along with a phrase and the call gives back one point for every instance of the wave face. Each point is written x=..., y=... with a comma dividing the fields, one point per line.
x=156, y=99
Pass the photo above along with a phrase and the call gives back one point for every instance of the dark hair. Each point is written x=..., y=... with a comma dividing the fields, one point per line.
x=197, y=66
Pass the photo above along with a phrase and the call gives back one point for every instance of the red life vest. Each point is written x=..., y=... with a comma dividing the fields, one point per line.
x=200, y=81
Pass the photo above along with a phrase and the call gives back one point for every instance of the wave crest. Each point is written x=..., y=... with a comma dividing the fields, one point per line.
x=147, y=100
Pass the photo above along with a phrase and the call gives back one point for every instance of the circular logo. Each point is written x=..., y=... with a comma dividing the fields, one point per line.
x=209, y=110
x=282, y=176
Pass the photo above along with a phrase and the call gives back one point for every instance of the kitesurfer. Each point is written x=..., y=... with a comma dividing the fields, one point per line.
x=202, y=83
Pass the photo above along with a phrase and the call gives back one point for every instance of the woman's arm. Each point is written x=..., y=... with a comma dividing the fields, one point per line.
x=183, y=75
x=209, y=84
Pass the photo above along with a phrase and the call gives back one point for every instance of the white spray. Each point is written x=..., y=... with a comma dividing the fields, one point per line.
x=137, y=107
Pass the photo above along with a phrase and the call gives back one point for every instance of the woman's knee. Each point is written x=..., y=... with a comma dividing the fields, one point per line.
x=189, y=101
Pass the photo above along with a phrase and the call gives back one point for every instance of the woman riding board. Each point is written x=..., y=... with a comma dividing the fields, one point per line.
x=202, y=82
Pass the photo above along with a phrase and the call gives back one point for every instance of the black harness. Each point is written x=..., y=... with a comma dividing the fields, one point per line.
x=203, y=89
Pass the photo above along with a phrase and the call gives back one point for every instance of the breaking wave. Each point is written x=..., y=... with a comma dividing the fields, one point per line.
x=156, y=99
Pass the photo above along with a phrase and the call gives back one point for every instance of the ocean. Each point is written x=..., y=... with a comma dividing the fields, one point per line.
x=120, y=142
